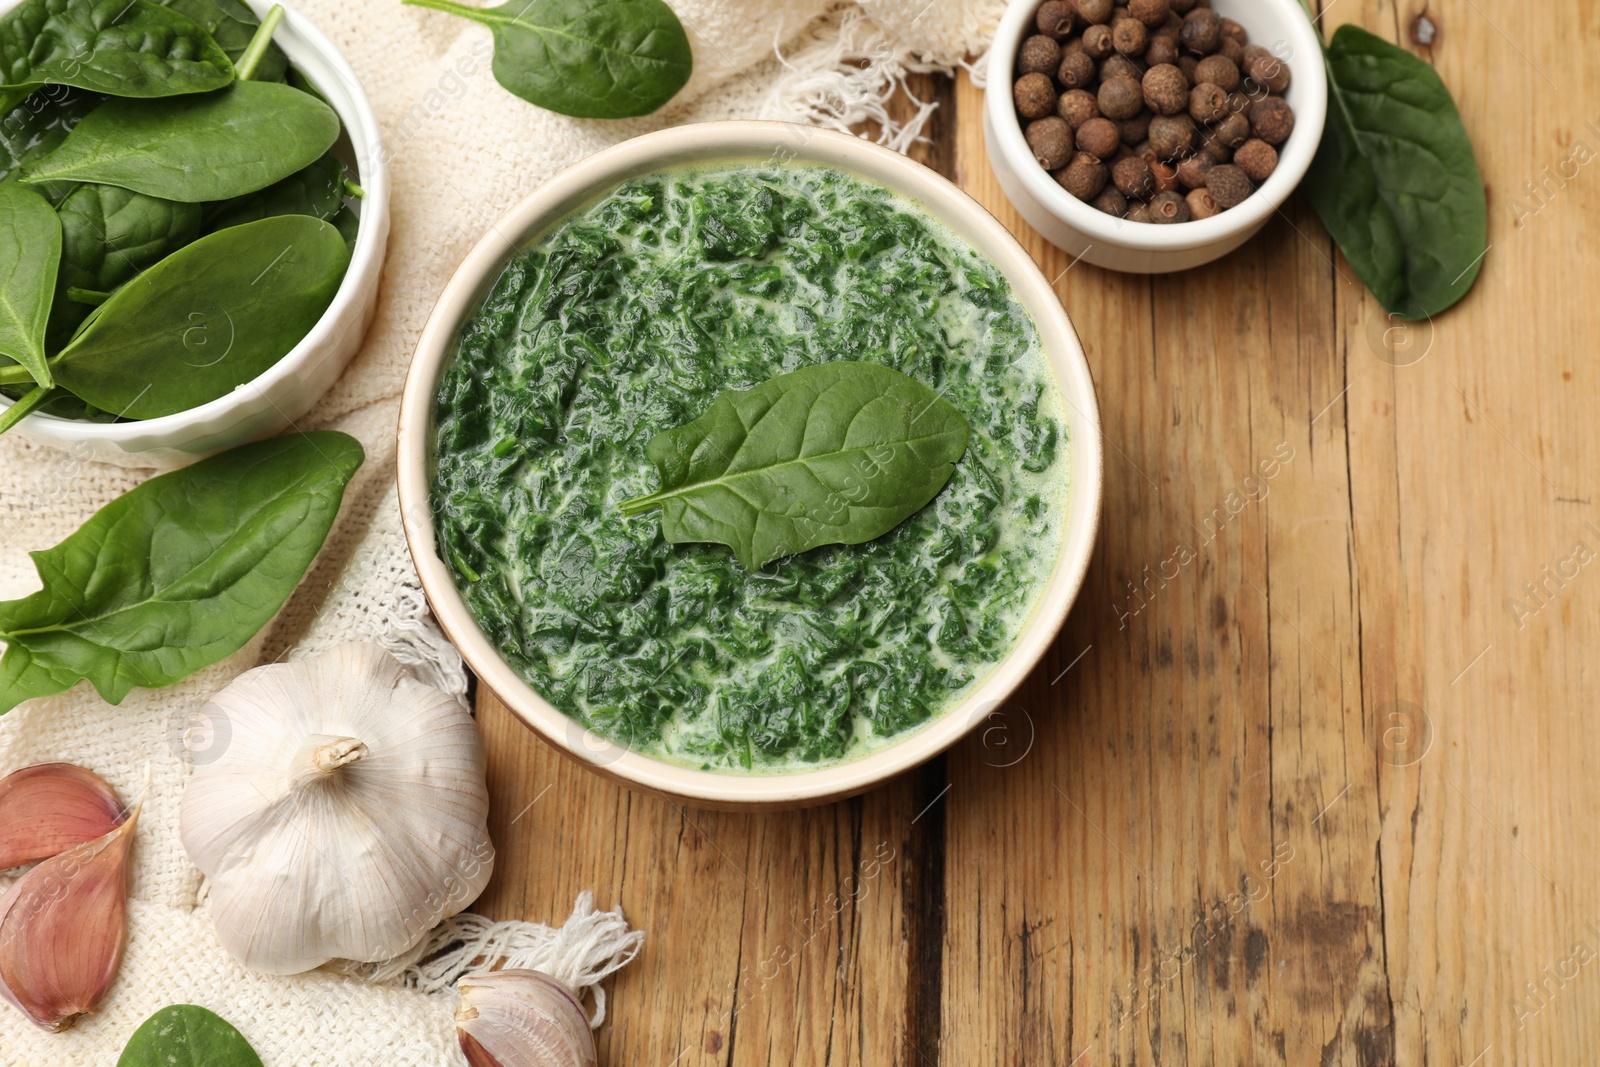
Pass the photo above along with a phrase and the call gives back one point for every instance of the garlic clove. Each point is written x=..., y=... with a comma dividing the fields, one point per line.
x=63, y=927
x=48, y=808
x=518, y=1018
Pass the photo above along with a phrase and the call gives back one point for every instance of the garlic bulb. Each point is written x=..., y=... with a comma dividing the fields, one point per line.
x=346, y=817
x=517, y=1018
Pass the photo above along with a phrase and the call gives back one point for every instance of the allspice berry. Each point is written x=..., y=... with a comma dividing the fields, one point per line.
x=1097, y=41
x=1272, y=119
x=1135, y=130
x=1169, y=208
x=1153, y=13
x=1232, y=49
x=1094, y=10
x=1217, y=152
x=1229, y=186
x=1202, y=205
x=1121, y=98
x=1035, y=95
x=1134, y=178
x=1181, y=7
x=1166, y=90
x=1099, y=137
x=1055, y=19
x=1253, y=53
x=1202, y=31
x=1078, y=106
x=1270, y=71
x=1039, y=55
x=1111, y=202
x=1050, y=141
x=1138, y=212
x=1208, y=103
x=1232, y=29
x=1084, y=177
x=1216, y=70
x=1192, y=171
x=1232, y=131
x=1130, y=37
x=1166, y=177
x=1118, y=65
x=1256, y=158
x=1172, y=136
x=1076, y=70
x=1162, y=50
x=1190, y=67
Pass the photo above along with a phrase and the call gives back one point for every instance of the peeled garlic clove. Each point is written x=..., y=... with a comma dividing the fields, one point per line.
x=519, y=1018
x=49, y=808
x=63, y=927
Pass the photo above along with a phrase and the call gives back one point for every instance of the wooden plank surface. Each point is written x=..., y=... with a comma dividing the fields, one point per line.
x=1309, y=777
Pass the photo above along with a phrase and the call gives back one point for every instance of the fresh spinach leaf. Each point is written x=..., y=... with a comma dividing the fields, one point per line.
x=232, y=25
x=212, y=316
x=610, y=59
x=37, y=126
x=119, y=47
x=186, y=1035
x=177, y=573
x=195, y=148
x=1395, y=180
x=109, y=235
x=318, y=191
x=30, y=254
x=834, y=454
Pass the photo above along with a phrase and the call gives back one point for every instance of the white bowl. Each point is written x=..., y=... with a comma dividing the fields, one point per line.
x=273, y=401
x=1139, y=247
x=759, y=142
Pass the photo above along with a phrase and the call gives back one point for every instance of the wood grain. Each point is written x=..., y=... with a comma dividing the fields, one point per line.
x=1309, y=776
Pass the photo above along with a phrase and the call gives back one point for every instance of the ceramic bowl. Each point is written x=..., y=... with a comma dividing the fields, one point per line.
x=1143, y=248
x=272, y=402
x=757, y=142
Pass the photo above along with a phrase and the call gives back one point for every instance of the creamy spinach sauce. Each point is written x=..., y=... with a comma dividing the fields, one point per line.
x=626, y=320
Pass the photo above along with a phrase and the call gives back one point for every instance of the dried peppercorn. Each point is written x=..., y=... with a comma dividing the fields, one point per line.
x=1130, y=37
x=1135, y=130
x=1165, y=89
x=1084, y=177
x=1055, y=18
x=1035, y=96
x=1153, y=13
x=1117, y=65
x=1217, y=70
x=1271, y=72
x=1120, y=98
x=1172, y=136
x=1076, y=70
x=1229, y=185
x=1078, y=106
x=1272, y=119
x=1099, y=137
x=1192, y=171
x=1169, y=208
x=1231, y=28
x=1093, y=11
x=1256, y=158
x=1050, y=141
x=1039, y=55
x=1134, y=178
x=1111, y=202
x=1162, y=49
x=1232, y=49
x=1097, y=42
x=1202, y=205
x=1202, y=31
x=1232, y=131
x=1208, y=103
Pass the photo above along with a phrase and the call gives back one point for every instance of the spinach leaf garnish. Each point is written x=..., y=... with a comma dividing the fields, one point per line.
x=1395, y=180
x=30, y=254
x=592, y=59
x=177, y=573
x=186, y=1035
x=835, y=454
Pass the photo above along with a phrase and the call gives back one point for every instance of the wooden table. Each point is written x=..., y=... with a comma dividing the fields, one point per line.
x=1324, y=793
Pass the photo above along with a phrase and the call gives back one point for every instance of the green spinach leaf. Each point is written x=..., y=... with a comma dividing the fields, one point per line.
x=610, y=59
x=1395, y=180
x=109, y=235
x=318, y=191
x=232, y=25
x=835, y=454
x=118, y=47
x=210, y=317
x=185, y=1035
x=30, y=254
x=196, y=148
x=37, y=126
x=177, y=573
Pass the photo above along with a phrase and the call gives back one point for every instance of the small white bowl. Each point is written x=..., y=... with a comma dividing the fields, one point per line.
x=1145, y=248
x=273, y=401
x=758, y=142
